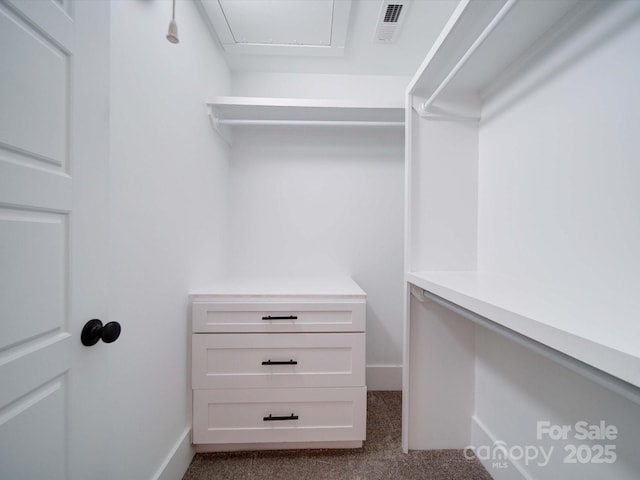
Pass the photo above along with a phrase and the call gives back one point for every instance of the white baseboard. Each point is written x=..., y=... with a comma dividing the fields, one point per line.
x=498, y=469
x=178, y=460
x=384, y=377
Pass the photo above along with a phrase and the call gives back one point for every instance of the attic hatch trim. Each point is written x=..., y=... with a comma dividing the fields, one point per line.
x=214, y=15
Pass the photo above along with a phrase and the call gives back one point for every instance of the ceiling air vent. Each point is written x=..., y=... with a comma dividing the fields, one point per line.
x=391, y=15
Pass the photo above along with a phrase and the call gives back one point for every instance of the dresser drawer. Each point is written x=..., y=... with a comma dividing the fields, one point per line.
x=264, y=360
x=230, y=317
x=279, y=415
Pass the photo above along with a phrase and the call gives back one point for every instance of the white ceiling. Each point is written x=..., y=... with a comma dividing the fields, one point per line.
x=362, y=56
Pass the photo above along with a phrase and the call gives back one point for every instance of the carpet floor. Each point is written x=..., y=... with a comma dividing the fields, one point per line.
x=381, y=457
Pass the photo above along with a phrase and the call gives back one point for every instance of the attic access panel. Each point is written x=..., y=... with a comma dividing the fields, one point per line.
x=280, y=27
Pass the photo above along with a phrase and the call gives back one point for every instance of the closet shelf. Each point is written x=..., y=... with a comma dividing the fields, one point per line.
x=485, y=44
x=603, y=334
x=228, y=112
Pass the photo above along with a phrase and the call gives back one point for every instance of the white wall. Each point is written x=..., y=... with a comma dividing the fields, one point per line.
x=168, y=218
x=444, y=191
x=306, y=85
x=559, y=173
x=325, y=200
x=559, y=200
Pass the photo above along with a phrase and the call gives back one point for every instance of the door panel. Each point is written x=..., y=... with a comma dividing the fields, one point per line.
x=39, y=416
x=33, y=283
x=39, y=103
x=53, y=204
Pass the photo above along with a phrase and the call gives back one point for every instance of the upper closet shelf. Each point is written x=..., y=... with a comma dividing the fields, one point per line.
x=228, y=112
x=484, y=45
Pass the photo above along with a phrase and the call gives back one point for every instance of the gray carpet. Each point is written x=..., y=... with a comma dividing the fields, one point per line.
x=381, y=458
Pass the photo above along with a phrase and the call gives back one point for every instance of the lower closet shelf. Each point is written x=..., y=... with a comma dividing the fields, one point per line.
x=602, y=335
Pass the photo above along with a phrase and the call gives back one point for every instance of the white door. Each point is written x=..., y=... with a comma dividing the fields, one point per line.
x=54, y=419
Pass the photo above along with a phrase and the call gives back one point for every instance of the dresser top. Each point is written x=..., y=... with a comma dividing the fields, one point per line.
x=316, y=287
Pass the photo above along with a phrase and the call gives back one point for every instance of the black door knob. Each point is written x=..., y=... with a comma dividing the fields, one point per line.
x=94, y=331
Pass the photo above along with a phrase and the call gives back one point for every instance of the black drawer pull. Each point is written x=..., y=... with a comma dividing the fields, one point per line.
x=271, y=418
x=282, y=317
x=280, y=362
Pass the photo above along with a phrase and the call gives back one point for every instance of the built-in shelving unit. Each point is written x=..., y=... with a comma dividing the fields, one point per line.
x=229, y=112
x=490, y=56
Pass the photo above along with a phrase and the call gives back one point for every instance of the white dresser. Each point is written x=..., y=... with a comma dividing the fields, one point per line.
x=279, y=363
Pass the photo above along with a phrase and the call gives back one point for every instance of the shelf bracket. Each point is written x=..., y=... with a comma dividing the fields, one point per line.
x=223, y=130
x=436, y=113
x=419, y=294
